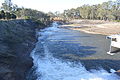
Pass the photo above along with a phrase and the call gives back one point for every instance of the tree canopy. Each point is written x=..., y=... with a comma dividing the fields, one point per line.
x=106, y=11
x=12, y=11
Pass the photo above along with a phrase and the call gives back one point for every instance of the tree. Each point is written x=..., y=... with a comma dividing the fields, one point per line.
x=13, y=16
x=106, y=11
x=7, y=5
x=51, y=14
x=15, y=7
x=85, y=11
x=3, y=14
x=18, y=12
x=8, y=15
x=117, y=10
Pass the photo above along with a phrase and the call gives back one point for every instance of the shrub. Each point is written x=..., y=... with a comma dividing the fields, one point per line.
x=3, y=14
x=13, y=16
x=7, y=15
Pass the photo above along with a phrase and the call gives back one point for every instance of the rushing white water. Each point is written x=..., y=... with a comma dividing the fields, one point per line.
x=50, y=68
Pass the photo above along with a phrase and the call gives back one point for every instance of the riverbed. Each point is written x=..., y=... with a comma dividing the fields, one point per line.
x=64, y=54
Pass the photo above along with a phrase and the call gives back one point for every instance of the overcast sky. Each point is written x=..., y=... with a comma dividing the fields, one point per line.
x=53, y=5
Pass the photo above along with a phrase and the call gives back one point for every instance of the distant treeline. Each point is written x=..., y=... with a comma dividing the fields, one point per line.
x=105, y=11
x=11, y=11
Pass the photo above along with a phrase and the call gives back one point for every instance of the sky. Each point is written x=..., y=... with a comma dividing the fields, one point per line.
x=53, y=5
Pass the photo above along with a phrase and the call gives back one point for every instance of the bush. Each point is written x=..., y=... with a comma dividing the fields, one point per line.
x=8, y=15
x=13, y=16
x=3, y=14
x=27, y=17
x=117, y=20
x=40, y=22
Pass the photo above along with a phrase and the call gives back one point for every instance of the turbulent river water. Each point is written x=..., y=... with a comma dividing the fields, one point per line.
x=55, y=43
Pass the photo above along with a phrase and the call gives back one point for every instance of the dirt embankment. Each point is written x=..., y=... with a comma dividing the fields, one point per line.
x=17, y=39
x=95, y=26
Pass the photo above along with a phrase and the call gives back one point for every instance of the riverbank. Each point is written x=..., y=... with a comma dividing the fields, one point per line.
x=17, y=40
x=99, y=58
x=94, y=26
x=61, y=51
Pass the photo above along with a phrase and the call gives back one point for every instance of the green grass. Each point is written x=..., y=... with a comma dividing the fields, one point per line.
x=117, y=20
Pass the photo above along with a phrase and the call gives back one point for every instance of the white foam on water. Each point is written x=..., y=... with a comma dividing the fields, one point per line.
x=48, y=31
x=49, y=68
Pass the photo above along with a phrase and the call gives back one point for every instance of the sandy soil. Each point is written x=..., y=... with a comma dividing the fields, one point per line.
x=95, y=26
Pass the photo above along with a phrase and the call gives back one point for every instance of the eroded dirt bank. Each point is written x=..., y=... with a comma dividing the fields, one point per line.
x=17, y=39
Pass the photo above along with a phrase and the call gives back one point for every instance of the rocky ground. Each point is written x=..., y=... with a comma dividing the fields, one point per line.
x=17, y=39
x=95, y=26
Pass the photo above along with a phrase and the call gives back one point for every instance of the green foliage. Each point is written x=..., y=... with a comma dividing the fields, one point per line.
x=7, y=6
x=117, y=20
x=105, y=11
x=25, y=13
x=11, y=11
x=26, y=17
x=7, y=15
x=40, y=22
x=13, y=16
x=52, y=15
x=2, y=14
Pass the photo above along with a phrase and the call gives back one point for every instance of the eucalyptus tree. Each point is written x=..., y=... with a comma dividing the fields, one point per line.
x=117, y=10
x=93, y=12
x=7, y=5
x=52, y=15
x=85, y=11
x=7, y=15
